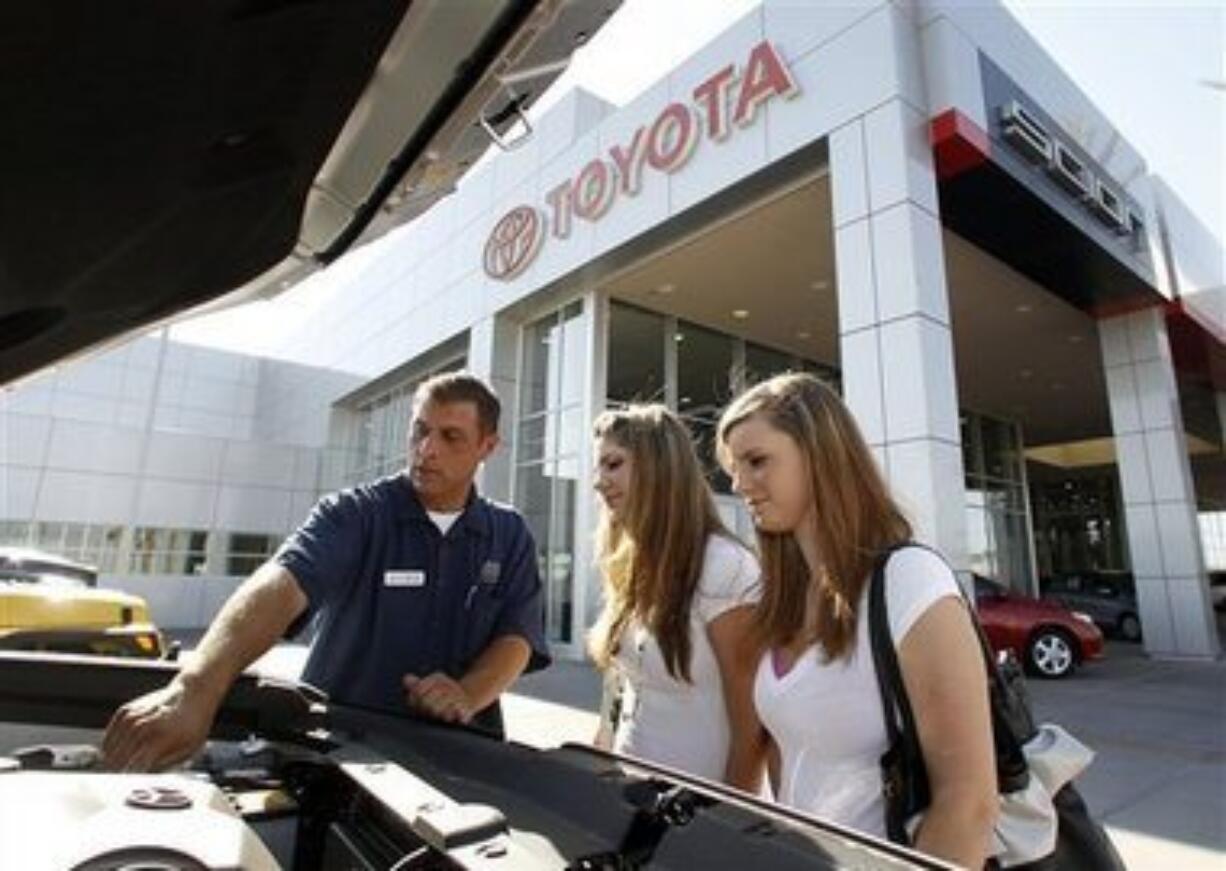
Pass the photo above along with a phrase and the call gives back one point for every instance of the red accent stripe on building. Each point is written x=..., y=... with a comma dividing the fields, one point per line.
x=958, y=144
x=1196, y=351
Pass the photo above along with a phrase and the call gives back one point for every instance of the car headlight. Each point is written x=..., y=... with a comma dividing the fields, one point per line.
x=1083, y=617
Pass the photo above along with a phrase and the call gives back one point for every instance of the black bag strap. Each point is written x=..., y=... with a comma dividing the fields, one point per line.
x=895, y=704
x=1012, y=771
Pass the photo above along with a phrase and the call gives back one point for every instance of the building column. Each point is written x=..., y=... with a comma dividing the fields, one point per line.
x=895, y=340
x=587, y=594
x=492, y=350
x=1156, y=483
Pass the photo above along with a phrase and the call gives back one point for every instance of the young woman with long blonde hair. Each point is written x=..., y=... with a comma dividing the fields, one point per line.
x=679, y=592
x=824, y=516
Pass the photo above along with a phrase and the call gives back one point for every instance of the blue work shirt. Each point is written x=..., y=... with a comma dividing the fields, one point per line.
x=391, y=595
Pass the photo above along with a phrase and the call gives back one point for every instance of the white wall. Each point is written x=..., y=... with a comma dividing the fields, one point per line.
x=69, y=471
x=165, y=435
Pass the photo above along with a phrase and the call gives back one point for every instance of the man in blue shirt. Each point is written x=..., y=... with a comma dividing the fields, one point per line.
x=424, y=595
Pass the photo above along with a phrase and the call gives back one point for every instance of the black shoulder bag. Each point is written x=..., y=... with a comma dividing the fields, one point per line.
x=1081, y=843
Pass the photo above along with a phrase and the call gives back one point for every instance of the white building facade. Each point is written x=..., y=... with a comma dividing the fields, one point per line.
x=908, y=198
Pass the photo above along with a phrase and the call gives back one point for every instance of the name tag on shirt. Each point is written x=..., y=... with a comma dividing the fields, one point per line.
x=404, y=578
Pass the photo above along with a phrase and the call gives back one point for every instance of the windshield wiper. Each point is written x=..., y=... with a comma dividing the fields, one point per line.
x=660, y=807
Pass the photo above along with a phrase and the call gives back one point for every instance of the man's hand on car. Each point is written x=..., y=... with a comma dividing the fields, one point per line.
x=439, y=696
x=158, y=729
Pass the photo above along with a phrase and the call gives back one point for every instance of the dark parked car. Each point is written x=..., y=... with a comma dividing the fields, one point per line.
x=1050, y=640
x=1110, y=598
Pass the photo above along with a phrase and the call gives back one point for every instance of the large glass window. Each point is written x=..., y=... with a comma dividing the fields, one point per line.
x=248, y=551
x=94, y=544
x=706, y=367
x=548, y=442
x=998, y=539
x=1213, y=539
x=761, y=363
x=704, y=370
x=636, y=371
x=1076, y=522
x=168, y=551
x=155, y=551
x=15, y=533
x=705, y=383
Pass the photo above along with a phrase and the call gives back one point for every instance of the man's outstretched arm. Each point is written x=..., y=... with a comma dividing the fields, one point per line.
x=168, y=725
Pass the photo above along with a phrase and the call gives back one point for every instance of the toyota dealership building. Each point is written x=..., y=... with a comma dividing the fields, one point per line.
x=908, y=198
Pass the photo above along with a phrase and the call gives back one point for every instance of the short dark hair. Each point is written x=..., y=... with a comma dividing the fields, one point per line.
x=449, y=387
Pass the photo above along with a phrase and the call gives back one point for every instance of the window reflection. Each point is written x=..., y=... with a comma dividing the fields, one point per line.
x=709, y=368
x=550, y=435
x=636, y=370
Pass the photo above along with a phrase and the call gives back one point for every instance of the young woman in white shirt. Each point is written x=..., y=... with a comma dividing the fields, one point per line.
x=823, y=516
x=678, y=602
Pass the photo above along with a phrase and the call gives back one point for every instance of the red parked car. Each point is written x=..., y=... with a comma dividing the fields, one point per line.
x=1048, y=638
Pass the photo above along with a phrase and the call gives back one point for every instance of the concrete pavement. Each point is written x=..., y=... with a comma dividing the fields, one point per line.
x=1158, y=727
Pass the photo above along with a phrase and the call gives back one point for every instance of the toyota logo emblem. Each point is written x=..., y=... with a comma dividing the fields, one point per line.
x=513, y=243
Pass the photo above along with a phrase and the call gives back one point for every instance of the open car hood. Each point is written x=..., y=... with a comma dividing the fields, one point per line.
x=160, y=157
x=313, y=786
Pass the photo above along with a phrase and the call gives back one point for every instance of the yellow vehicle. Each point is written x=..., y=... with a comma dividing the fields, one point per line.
x=49, y=603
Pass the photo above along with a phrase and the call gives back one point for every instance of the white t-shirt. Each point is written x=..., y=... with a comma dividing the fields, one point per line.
x=666, y=720
x=444, y=520
x=826, y=717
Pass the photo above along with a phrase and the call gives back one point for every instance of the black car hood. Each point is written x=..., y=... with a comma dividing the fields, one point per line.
x=387, y=779
x=159, y=155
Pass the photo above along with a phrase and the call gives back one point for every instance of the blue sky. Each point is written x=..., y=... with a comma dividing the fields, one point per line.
x=1151, y=67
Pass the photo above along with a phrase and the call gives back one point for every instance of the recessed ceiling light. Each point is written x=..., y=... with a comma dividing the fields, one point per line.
x=823, y=284
x=740, y=313
x=665, y=289
x=680, y=337
x=1075, y=338
x=804, y=334
x=1022, y=309
x=1025, y=373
